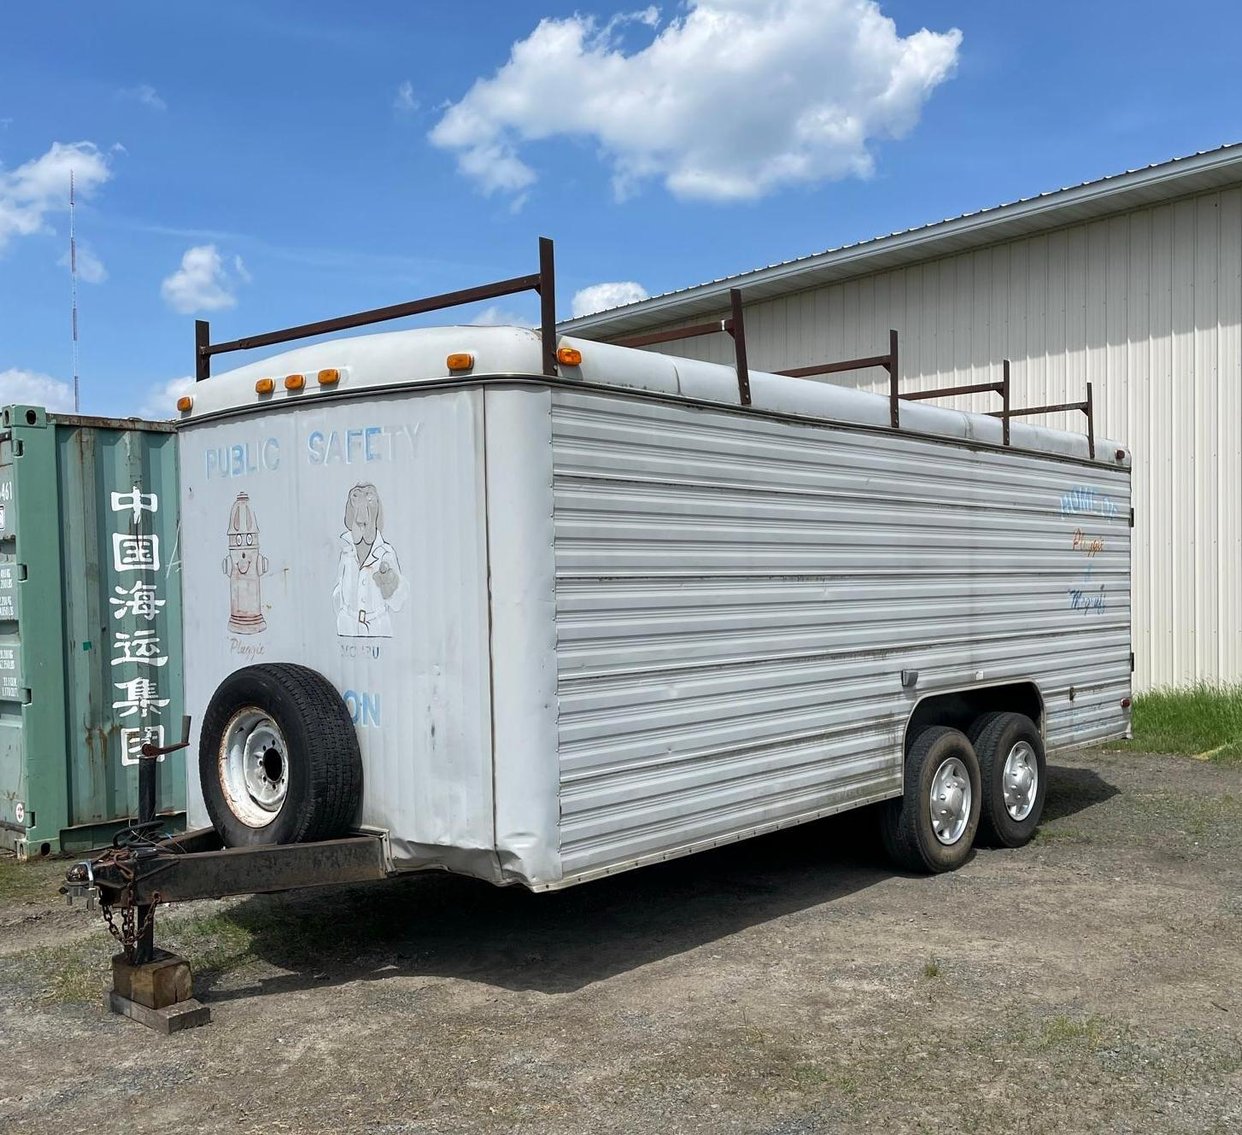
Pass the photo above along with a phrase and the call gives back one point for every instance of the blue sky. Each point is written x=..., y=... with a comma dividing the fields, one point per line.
x=262, y=164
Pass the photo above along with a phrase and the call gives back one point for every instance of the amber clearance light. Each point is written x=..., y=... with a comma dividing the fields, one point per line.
x=184, y=403
x=329, y=377
x=569, y=356
x=265, y=386
x=295, y=381
x=460, y=360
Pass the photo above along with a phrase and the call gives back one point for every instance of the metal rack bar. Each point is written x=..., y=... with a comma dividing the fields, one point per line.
x=834, y=368
x=737, y=328
x=1090, y=412
x=945, y=391
x=1005, y=388
x=1086, y=406
x=543, y=282
x=889, y=362
x=896, y=397
x=691, y=332
x=894, y=372
x=1027, y=411
x=545, y=285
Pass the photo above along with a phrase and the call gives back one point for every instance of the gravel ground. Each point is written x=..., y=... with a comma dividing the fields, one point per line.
x=791, y=984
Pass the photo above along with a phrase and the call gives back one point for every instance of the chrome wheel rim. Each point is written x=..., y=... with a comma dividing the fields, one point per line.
x=1020, y=781
x=950, y=799
x=254, y=767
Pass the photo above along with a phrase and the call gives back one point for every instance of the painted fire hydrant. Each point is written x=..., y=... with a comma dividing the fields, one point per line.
x=244, y=565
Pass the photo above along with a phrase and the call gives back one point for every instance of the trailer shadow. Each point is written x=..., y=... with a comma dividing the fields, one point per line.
x=1074, y=789
x=437, y=925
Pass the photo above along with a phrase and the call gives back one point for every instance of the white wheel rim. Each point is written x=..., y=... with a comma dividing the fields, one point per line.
x=950, y=799
x=254, y=767
x=1020, y=781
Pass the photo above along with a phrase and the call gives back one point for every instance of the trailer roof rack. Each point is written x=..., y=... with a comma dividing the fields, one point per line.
x=543, y=282
x=734, y=325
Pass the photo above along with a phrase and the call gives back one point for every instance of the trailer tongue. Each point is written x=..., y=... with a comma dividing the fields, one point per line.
x=197, y=865
x=146, y=867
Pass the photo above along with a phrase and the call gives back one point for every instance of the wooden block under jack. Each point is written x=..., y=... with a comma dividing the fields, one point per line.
x=156, y=993
x=184, y=1015
x=157, y=984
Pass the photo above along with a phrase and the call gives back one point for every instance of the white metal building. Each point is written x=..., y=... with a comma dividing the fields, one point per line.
x=1132, y=283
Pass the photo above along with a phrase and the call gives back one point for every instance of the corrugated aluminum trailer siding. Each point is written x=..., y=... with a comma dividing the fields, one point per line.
x=737, y=596
x=1147, y=305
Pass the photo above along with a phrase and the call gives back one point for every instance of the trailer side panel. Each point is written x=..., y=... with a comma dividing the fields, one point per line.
x=737, y=598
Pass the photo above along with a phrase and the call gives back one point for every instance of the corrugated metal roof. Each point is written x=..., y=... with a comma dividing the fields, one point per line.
x=1136, y=188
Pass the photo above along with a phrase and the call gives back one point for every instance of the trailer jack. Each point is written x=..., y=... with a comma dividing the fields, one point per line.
x=144, y=867
x=150, y=986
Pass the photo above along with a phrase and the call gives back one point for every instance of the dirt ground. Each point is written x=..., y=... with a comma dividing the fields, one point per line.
x=787, y=985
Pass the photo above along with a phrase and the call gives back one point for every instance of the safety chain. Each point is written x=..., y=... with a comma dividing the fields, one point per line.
x=128, y=934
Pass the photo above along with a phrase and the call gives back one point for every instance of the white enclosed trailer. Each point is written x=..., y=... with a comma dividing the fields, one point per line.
x=585, y=620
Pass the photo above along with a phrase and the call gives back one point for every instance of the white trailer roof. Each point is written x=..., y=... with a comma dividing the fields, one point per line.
x=419, y=357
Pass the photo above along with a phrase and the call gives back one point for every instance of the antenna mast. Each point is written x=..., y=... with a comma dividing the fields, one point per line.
x=73, y=277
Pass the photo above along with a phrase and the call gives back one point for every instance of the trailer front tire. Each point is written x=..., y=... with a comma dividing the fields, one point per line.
x=278, y=758
x=931, y=825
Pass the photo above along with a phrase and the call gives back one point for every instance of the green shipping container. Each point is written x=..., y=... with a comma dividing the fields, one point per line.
x=90, y=625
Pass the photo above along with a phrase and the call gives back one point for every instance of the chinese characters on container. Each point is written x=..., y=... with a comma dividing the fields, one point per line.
x=137, y=654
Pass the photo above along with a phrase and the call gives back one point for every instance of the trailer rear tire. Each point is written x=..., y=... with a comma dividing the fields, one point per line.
x=1015, y=777
x=278, y=758
x=931, y=825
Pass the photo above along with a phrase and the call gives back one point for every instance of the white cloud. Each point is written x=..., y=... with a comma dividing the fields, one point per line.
x=731, y=100
x=203, y=283
x=600, y=297
x=29, y=388
x=145, y=94
x=405, y=102
x=41, y=186
x=91, y=269
x=161, y=400
x=493, y=316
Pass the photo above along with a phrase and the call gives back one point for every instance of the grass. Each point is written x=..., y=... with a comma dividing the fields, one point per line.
x=1203, y=720
x=1063, y=1031
x=33, y=882
x=80, y=971
x=1211, y=820
x=297, y=933
x=1045, y=835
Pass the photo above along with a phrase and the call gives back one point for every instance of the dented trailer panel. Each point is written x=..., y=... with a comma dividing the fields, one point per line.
x=632, y=618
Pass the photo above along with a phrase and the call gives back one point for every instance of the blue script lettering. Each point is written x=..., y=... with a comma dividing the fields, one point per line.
x=1083, y=500
x=1086, y=601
